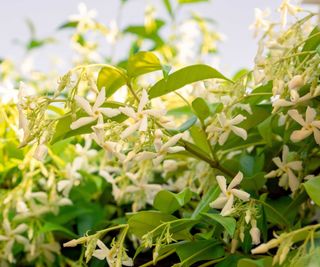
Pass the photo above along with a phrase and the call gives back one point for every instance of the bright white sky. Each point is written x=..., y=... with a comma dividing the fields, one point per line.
x=233, y=19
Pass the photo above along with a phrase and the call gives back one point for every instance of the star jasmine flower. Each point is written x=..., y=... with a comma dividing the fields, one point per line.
x=161, y=149
x=286, y=7
x=10, y=236
x=294, y=100
x=94, y=111
x=109, y=255
x=285, y=170
x=226, y=198
x=227, y=126
x=72, y=176
x=309, y=125
x=85, y=18
x=260, y=23
x=140, y=117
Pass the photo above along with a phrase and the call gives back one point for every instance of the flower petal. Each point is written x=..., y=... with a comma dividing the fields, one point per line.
x=219, y=203
x=143, y=100
x=236, y=180
x=310, y=114
x=109, y=112
x=100, y=99
x=227, y=209
x=84, y=104
x=299, y=135
x=128, y=111
x=130, y=130
x=81, y=122
x=240, y=132
x=294, y=114
x=241, y=194
x=222, y=182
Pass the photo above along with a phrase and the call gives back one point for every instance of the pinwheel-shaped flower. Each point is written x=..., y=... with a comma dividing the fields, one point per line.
x=110, y=255
x=140, y=117
x=94, y=111
x=11, y=236
x=309, y=125
x=227, y=126
x=226, y=198
x=285, y=170
x=162, y=149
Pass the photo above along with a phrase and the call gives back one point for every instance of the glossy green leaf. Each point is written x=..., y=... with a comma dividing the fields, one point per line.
x=228, y=223
x=168, y=202
x=265, y=130
x=183, y=77
x=187, y=124
x=203, y=205
x=313, y=188
x=111, y=79
x=200, y=138
x=312, y=43
x=262, y=262
x=51, y=227
x=201, y=108
x=199, y=250
x=142, y=63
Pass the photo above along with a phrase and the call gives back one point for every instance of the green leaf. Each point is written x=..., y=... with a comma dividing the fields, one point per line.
x=187, y=124
x=265, y=130
x=111, y=79
x=263, y=262
x=200, y=138
x=313, y=188
x=312, y=43
x=69, y=24
x=168, y=202
x=228, y=223
x=183, y=77
x=165, y=71
x=145, y=221
x=50, y=227
x=168, y=6
x=201, y=108
x=199, y=250
x=259, y=94
x=203, y=205
x=142, y=63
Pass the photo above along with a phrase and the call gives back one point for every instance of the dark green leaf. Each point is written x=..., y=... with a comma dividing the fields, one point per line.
x=312, y=43
x=200, y=138
x=201, y=108
x=50, y=227
x=262, y=262
x=168, y=202
x=228, y=223
x=313, y=188
x=203, y=205
x=192, y=252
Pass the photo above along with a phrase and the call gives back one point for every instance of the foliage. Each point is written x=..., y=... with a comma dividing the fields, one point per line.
x=148, y=161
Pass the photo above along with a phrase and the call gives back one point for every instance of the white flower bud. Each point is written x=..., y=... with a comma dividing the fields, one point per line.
x=40, y=152
x=296, y=82
x=247, y=218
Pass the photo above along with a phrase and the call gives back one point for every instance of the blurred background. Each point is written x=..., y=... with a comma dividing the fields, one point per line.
x=232, y=18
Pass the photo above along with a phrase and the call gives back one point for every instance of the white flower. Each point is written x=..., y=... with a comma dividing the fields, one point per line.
x=72, y=176
x=140, y=117
x=161, y=149
x=260, y=23
x=309, y=125
x=227, y=125
x=226, y=198
x=104, y=253
x=85, y=18
x=106, y=173
x=11, y=236
x=286, y=7
x=294, y=99
x=94, y=111
x=285, y=170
